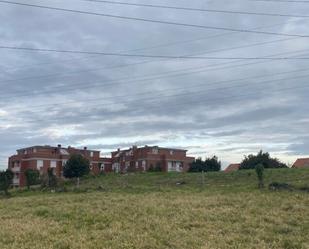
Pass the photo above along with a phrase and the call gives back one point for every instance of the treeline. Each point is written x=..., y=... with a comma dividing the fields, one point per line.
x=209, y=164
x=249, y=162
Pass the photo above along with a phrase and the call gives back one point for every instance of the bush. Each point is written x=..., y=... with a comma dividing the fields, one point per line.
x=49, y=180
x=157, y=168
x=280, y=186
x=32, y=177
x=6, y=178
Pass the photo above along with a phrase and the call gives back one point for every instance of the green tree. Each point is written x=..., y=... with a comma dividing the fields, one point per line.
x=52, y=179
x=259, y=169
x=76, y=167
x=212, y=164
x=6, y=178
x=251, y=161
x=158, y=167
x=198, y=165
x=49, y=180
x=32, y=177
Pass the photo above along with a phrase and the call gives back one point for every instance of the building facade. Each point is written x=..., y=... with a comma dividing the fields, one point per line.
x=150, y=157
x=44, y=157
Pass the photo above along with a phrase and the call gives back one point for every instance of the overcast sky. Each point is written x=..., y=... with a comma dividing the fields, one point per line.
x=225, y=107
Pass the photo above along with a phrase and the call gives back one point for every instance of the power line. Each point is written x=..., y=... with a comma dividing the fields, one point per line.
x=280, y=1
x=154, y=20
x=196, y=9
x=142, y=62
x=151, y=56
x=215, y=83
x=158, y=105
x=85, y=85
x=168, y=44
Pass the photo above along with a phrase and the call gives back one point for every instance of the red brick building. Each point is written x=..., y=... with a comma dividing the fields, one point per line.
x=301, y=163
x=144, y=158
x=44, y=157
x=232, y=167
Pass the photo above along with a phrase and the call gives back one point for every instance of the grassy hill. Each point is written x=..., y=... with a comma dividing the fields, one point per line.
x=157, y=210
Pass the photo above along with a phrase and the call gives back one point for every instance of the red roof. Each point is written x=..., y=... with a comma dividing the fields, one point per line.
x=232, y=167
x=301, y=163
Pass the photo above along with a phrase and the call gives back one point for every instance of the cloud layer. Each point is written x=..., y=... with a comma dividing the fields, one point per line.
x=223, y=107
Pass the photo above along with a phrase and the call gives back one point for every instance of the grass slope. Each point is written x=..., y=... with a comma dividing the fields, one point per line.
x=153, y=211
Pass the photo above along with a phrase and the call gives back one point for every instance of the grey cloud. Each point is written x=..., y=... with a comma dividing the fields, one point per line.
x=206, y=106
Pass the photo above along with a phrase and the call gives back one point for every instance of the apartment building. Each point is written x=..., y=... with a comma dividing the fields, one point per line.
x=147, y=157
x=44, y=157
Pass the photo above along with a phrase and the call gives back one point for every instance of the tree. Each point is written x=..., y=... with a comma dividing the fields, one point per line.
x=259, y=169
x=76, y=167
x=49, y=180
x=32, y=177
x=251, y=161
x=197, y=165
x=6, y=178
x=157, y=168
x=52, y=179
x=213, y=164
x=210, y=164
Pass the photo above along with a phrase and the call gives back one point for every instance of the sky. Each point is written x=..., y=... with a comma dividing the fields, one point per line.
x=229, y=107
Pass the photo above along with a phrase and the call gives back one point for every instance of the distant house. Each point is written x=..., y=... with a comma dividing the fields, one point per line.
x=232, y=167
x=147, y=157
x=301, y=163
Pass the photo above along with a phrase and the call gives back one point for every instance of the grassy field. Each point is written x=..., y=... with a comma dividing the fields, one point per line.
x=161, y=211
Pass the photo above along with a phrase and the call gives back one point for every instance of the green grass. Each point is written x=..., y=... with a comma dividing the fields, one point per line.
x=153, y=211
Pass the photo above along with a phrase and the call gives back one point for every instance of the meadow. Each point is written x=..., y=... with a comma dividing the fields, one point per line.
x=160, y=210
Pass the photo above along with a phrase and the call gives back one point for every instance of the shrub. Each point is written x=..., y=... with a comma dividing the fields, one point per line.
x=280, y=186
x=49, y=180
x=6, y=178
x=32, y=177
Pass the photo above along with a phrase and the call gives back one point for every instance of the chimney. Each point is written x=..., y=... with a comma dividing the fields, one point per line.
x=59, y=146
x=85, y=148
x=118, y=149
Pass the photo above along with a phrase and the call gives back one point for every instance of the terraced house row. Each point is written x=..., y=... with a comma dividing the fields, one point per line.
x=121, y=161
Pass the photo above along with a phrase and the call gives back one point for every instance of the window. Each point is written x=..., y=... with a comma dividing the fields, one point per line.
x=64, y=162
x=53, y=164
x=91, y=153
x=144, y=163
x=34, y=150
x=155, y=150
x=39, y=163
x=171, y=152
x=136, y=164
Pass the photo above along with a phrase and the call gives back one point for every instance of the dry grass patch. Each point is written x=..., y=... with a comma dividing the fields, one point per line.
x=154, y=213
